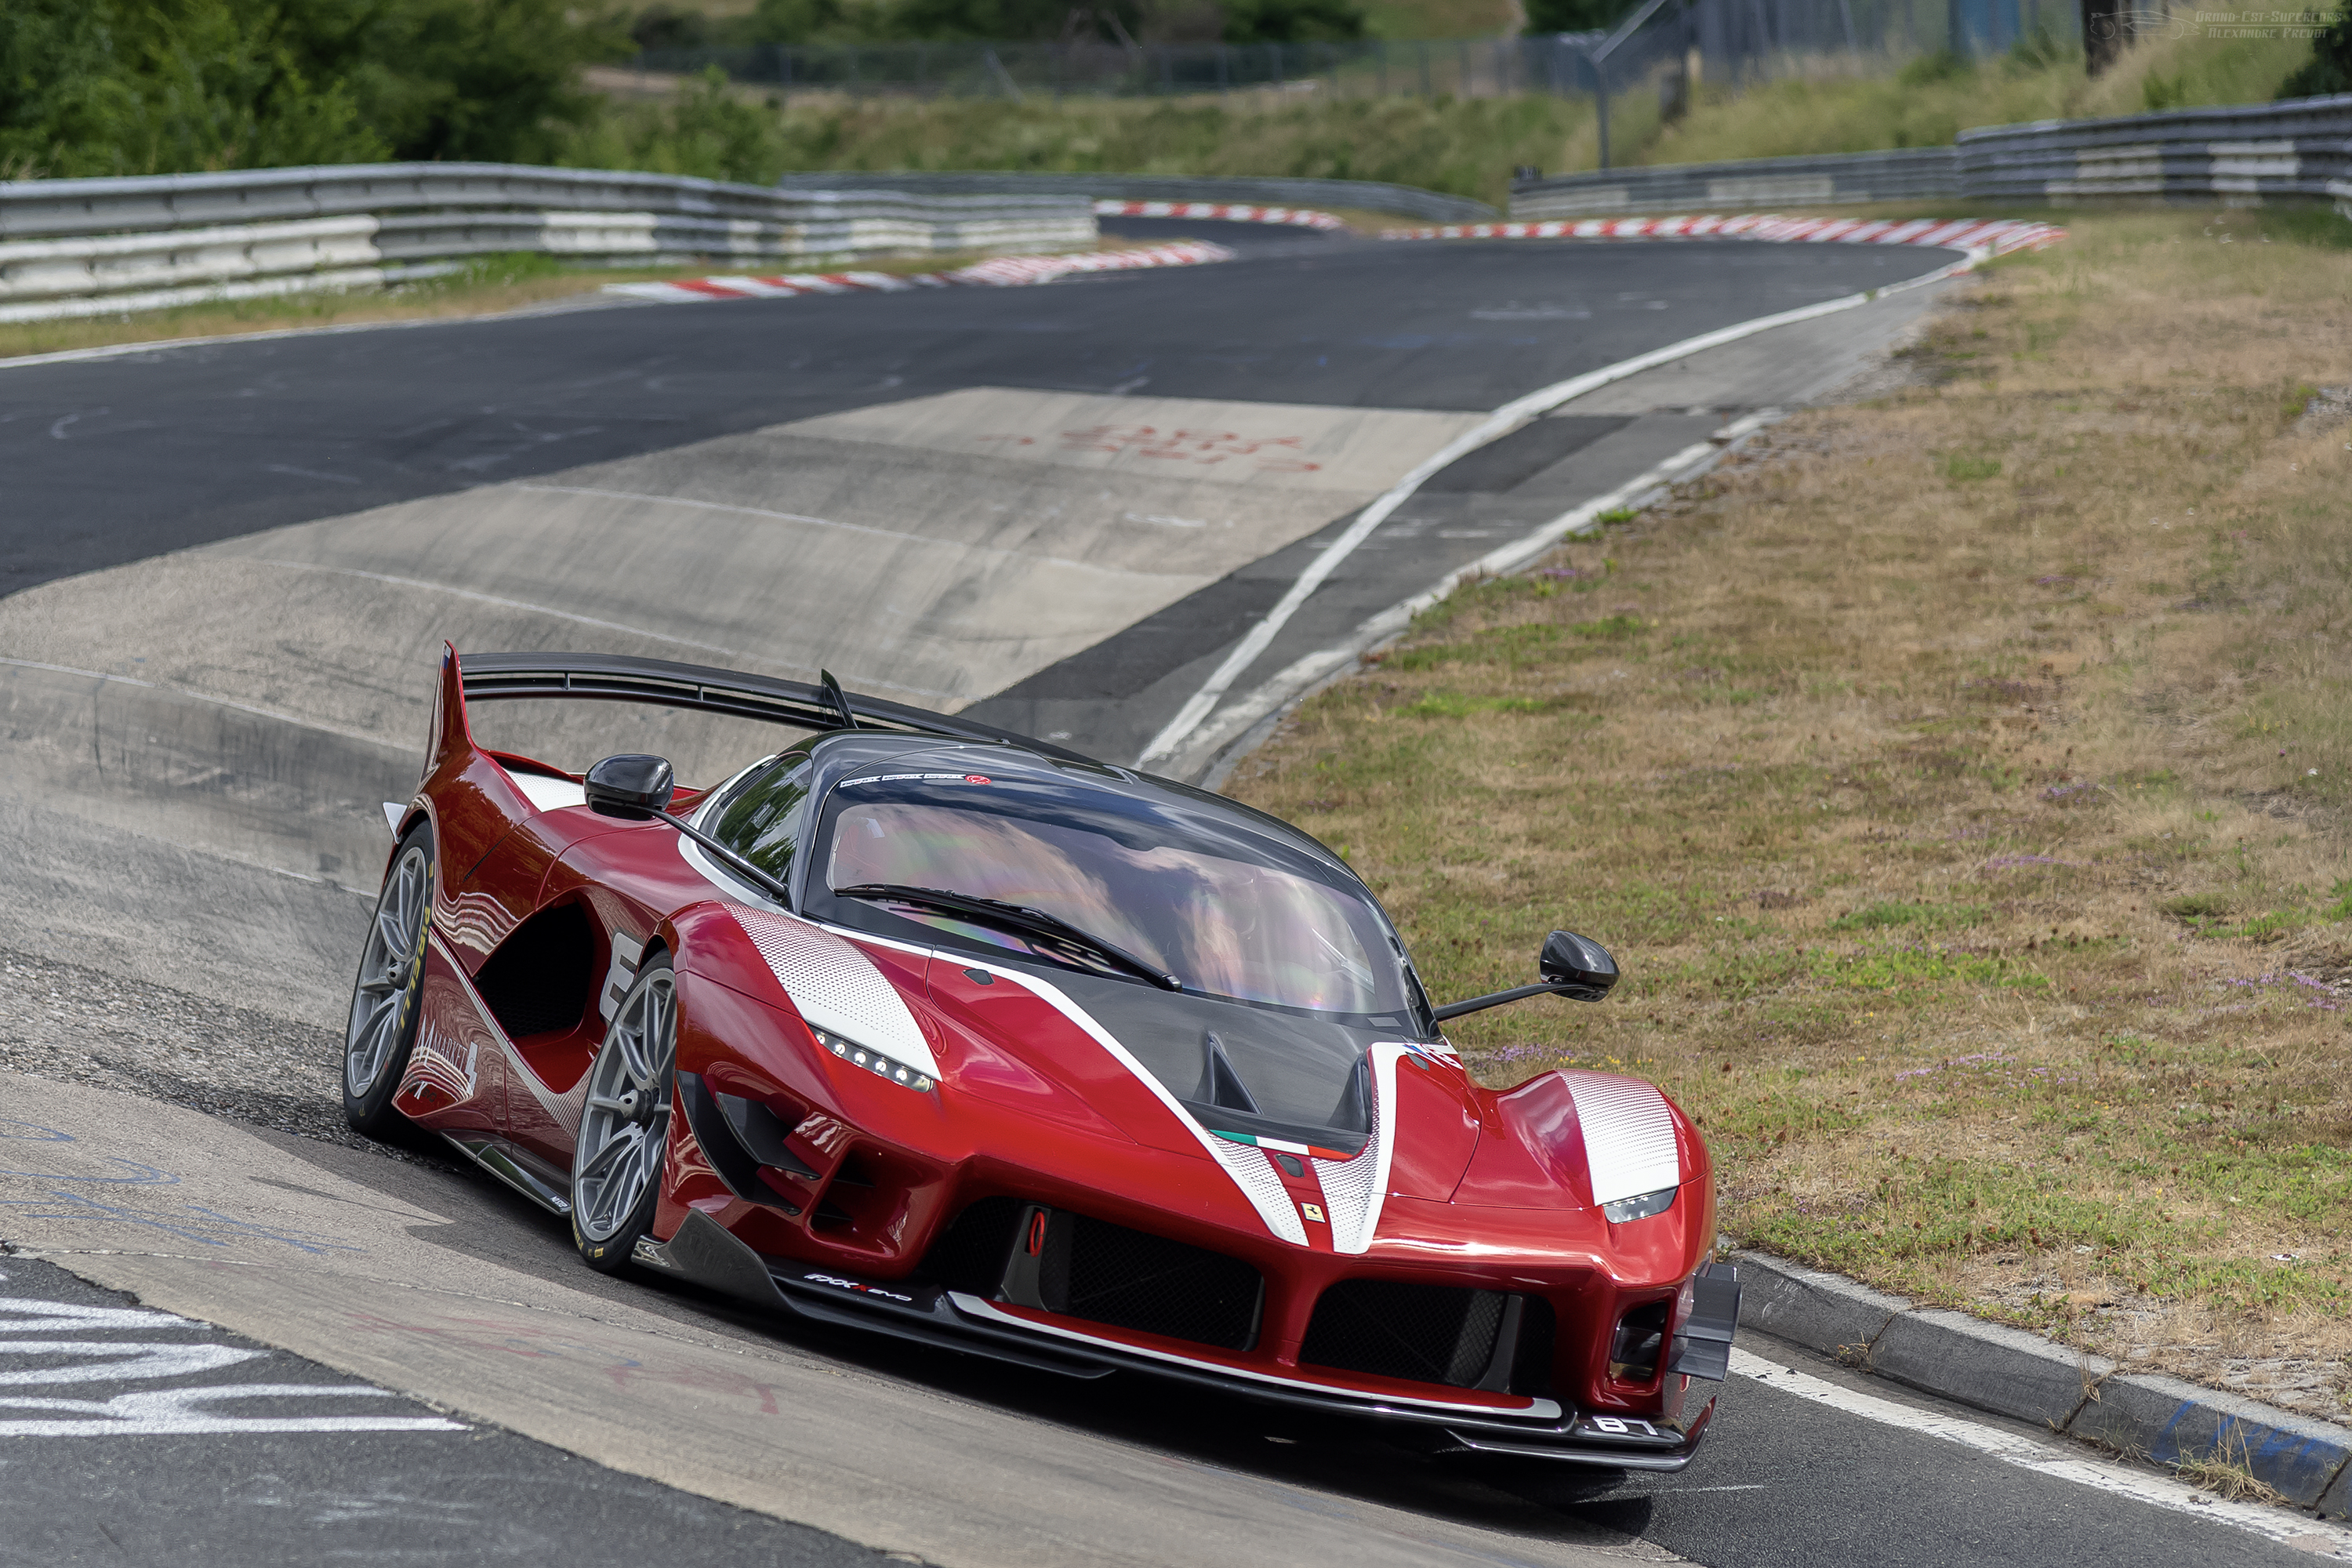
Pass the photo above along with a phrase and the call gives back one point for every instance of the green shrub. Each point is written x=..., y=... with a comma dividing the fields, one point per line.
x=137, y=87
x=2330, y=70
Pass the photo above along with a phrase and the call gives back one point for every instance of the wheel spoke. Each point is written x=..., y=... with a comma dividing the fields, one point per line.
x=389, y=969
x=641, y=1174
x=394, y=939
x=604, y=1156
x=625, y=1124
x=618, y=1193
x=372, y=1042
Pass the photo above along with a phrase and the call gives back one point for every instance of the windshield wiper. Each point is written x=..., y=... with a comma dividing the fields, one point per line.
x=1012, y=917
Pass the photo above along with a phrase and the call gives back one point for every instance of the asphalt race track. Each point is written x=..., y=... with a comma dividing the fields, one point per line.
x=225, y=571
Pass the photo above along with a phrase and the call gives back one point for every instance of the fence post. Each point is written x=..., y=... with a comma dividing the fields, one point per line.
x=1601, y=97
x=1461, y=80
x=1423, y=47
x=1383, y=47
x=1225, y=74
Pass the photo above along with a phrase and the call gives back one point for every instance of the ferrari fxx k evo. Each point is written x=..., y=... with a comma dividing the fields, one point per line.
x=942, y=1032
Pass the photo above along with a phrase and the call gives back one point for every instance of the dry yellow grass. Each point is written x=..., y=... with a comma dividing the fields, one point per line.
x=1961, y=780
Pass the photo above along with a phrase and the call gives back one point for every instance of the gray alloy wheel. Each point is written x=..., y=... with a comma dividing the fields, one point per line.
x=616, y=1164
x=383, y=1025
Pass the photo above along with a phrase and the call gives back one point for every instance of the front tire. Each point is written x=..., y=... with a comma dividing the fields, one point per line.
x=386, y=998
x=617, y=1160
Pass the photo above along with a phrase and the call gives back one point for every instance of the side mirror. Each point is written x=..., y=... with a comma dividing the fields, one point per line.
x=1578, y=966
x=631, y=787
x=1571, y=965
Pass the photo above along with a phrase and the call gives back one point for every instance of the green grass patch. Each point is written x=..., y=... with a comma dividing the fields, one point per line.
x=1888, y=915
x=1922, y=969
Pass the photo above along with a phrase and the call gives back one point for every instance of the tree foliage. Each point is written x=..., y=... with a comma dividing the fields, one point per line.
x=1577, y=15
x=664, y=25
x=2330, y=70
x=1291, y=21
x=134, y=87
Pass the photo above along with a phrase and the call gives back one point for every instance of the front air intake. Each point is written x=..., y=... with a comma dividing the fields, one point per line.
x=1089, y=1269
x=1423, y=1333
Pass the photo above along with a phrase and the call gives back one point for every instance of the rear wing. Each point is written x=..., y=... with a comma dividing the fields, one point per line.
x=616, y=677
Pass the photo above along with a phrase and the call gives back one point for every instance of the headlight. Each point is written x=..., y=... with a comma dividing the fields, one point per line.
x=875, y=1062
x=1641, y=1205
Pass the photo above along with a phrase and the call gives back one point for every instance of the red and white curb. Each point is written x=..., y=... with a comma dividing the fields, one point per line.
x=1980, y=236
x=998, y=272
x=1301, y=218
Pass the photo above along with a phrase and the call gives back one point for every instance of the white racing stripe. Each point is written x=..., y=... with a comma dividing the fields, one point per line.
x=1628, y=1132
x=2322, y=1539
x=835, y=987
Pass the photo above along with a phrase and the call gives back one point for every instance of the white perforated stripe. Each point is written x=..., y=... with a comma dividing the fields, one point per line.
x=1352, y=1189
x=1254, y=1174
x=1629, y=1135
x=835, y=986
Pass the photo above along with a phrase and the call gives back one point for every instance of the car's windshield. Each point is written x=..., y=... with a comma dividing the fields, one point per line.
x=1224, y=910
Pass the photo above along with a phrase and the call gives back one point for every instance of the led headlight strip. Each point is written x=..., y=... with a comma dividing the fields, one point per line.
x=872, y=1061
x=1641, y=1205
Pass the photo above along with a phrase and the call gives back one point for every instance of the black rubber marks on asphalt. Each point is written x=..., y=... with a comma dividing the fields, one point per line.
x=1508, y=461
x=1103, y=701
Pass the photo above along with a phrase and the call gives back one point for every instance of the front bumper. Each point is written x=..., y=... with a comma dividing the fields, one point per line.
x=706, y=1253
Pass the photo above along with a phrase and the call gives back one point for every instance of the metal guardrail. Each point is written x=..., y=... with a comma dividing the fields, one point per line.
x=1923, y=174
x=1370, y=196
x=2299, y=149
x=73, y=248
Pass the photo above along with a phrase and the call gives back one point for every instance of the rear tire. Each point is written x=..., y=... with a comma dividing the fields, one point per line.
x=385, y=999
x=618, y=1160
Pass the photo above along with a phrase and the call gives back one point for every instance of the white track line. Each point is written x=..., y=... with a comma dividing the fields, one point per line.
x=1501, y=422
x=2318, y=1537
x=1295, y=680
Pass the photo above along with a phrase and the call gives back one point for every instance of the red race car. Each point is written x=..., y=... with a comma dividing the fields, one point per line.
x=942, y=1032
